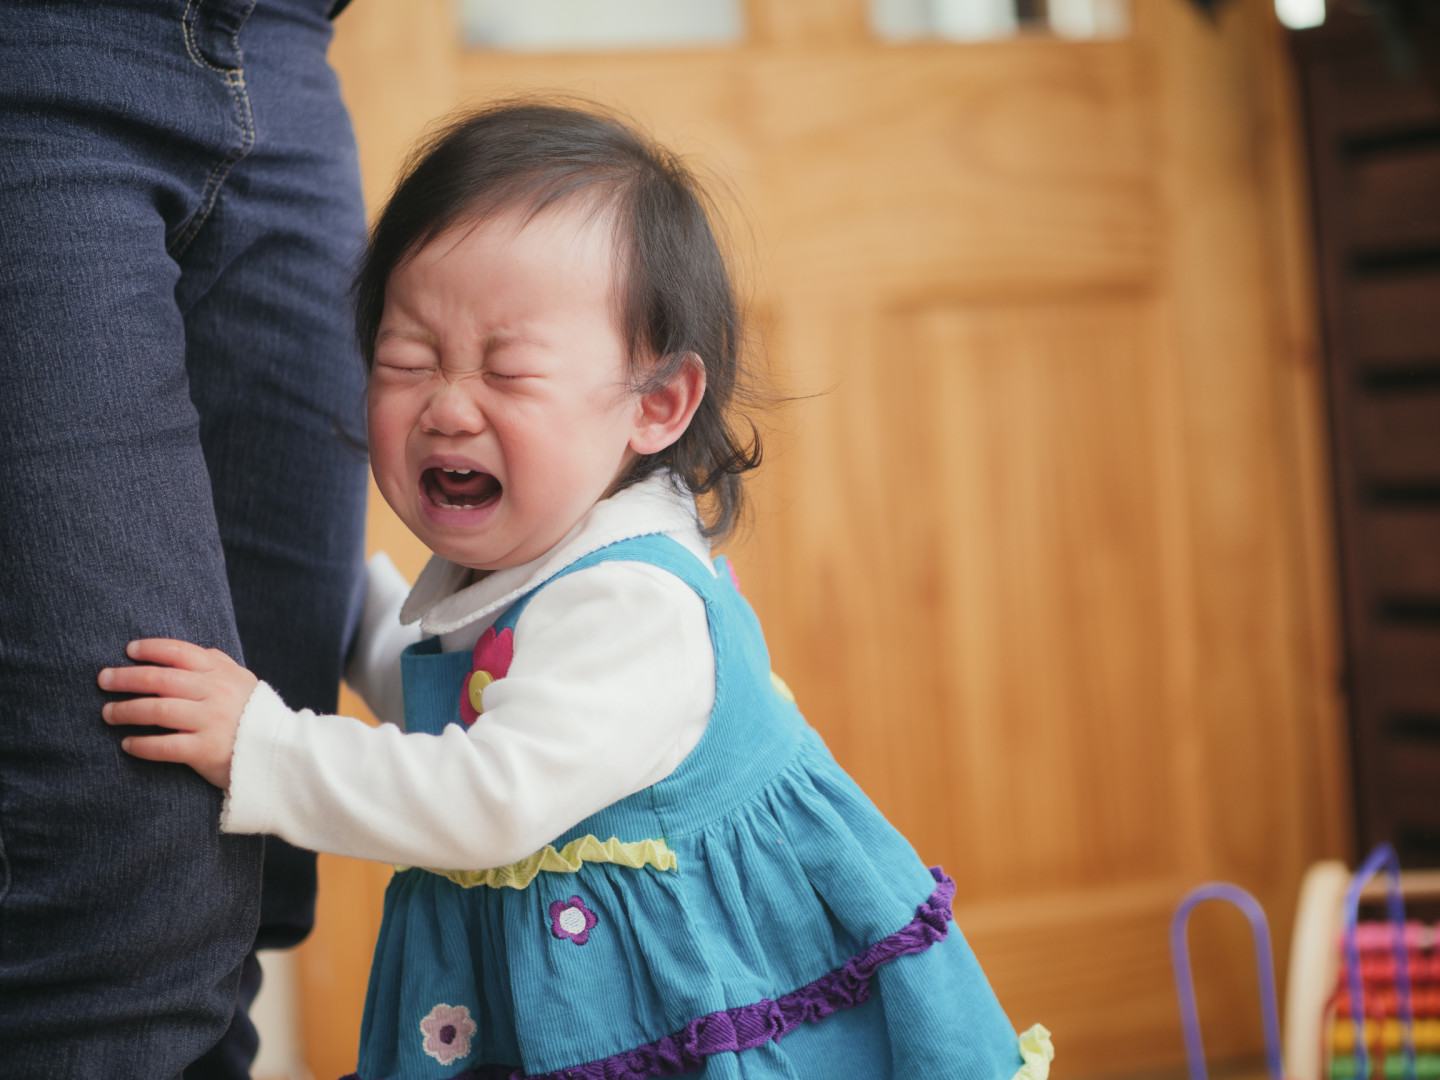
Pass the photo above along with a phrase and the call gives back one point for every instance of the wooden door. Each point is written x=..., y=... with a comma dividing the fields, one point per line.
x=1044, y=554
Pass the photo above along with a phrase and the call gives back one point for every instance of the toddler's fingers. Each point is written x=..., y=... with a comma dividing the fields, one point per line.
x=149, y=679
x=174, y=713
x=172, y=653
x=181, y=747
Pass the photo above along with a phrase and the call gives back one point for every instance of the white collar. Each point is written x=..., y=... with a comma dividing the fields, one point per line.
x=444, y=604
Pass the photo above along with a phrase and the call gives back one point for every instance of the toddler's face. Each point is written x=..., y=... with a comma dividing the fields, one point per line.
x=499, y=406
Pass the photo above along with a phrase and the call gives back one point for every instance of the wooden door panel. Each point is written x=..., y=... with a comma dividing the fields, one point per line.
x=1040, y=956
x=913, y=149
x=978, y=526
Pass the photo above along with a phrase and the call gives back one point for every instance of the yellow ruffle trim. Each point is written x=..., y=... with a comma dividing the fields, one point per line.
x=567, y=860
x=1037, y=1051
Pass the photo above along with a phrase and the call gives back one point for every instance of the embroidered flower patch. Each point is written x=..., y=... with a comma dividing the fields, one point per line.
x=447, y=1033
x=490, y=661
x=572, y=919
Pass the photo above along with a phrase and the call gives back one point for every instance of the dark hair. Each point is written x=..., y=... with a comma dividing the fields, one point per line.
x=675, y=297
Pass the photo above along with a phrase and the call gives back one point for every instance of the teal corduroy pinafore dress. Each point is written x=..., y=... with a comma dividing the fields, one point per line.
x=750, y=917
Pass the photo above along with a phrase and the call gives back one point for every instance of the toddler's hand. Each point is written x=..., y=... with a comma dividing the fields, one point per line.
x=199, y=693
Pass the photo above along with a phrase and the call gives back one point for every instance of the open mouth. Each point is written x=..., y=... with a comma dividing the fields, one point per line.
x=459, y=489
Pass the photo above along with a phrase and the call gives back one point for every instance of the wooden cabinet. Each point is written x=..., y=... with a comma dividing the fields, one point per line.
x=1374, y=143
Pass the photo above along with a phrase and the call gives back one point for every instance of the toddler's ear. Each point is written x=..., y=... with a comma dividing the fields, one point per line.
x=664, y=414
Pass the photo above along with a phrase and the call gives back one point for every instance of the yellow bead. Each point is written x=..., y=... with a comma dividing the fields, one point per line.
x=478, y=681
x=1342, y=1036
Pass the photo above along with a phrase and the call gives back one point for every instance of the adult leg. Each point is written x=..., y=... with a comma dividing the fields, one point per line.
x=124, y=916
x=278, y=382
x=273, y=367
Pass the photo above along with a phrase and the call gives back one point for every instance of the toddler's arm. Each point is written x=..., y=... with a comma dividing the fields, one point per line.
x=373, y=670
x=200, y=693
x=612, y=664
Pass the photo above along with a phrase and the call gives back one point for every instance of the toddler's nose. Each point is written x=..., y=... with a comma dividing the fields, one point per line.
x=453, y=411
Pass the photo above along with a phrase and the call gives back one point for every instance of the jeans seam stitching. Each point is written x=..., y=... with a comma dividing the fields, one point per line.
x=235, y=80
x=191, y=45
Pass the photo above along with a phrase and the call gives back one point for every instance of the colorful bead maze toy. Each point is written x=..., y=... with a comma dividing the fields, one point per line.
x=1387, y=970
x=1388, y=979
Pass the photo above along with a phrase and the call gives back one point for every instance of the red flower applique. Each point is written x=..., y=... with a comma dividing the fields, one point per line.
x=493, y=653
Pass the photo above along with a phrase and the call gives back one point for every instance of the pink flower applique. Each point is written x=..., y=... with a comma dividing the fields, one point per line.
x=491, y=661
x=734, y=577
x=572, y=919
x=447, y=1033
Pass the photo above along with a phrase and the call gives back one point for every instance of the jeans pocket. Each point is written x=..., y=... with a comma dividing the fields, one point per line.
x=212, y=40
x=212, y=33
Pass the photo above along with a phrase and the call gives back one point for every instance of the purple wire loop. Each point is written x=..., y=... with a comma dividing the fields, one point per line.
x=1382, y=857
x=1185, y=983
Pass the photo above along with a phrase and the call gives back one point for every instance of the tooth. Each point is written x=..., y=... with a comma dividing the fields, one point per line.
x=443, y=469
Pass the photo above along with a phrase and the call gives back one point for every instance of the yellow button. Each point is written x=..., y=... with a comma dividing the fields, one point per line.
x=780, y=687
x=478, y=681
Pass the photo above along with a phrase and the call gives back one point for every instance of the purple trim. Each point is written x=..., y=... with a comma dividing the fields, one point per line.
x=749, y=1026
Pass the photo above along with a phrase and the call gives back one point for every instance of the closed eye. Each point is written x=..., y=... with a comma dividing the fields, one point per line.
x=406, y=349
x=512, y=357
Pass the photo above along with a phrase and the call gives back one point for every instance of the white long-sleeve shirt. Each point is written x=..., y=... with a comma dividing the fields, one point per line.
x=611, y=686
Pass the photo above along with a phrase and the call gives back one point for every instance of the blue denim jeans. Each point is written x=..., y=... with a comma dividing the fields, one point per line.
x=180, y=399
